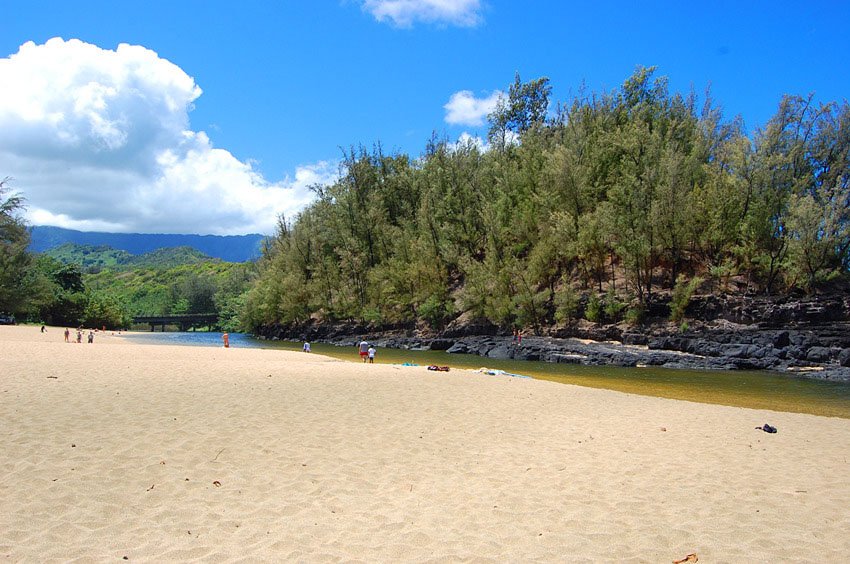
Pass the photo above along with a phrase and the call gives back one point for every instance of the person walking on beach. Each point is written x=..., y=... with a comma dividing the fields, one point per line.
x=79, y=336
x=226, y=338
x=67, y=335
x=364, y=349
x=371, y=353
x=91, y=337
x=306, y=346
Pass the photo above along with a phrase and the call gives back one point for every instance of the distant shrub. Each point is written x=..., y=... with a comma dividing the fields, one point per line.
x=635, y=314
x=682, y=293
x=372, y=315
x=435, y=310
x=613, y=306
x=593, y=311
x=566, y=305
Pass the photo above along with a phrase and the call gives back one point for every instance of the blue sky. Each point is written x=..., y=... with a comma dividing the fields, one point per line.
x=259, y=97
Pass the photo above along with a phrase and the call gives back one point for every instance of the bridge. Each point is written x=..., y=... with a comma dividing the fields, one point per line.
x=185, y=322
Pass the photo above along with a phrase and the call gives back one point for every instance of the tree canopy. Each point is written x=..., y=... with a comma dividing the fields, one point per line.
x=621, y=194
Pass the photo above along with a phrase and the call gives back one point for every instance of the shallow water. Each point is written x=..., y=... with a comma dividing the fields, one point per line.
x=753, y=389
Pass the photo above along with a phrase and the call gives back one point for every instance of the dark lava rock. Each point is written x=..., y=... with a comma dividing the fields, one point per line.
x=728, y=332
x=501, y=352
x=635, y=339
x=818, y=354
x=441, y=344
x=458, y=348
x=781, y=340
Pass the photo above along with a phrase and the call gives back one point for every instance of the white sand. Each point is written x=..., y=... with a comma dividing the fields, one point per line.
x=116, y=449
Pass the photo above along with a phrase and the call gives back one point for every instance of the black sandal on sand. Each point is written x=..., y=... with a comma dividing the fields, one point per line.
x=767, y=428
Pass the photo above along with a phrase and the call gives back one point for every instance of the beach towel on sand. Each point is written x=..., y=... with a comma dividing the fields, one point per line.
x=497, y=372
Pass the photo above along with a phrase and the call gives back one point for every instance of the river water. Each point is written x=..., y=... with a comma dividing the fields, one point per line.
x=753, y=389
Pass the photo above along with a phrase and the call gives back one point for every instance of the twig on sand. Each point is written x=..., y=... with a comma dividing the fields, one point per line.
x=217, y=455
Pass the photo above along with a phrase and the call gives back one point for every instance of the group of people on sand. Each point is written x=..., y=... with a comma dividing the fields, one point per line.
x=367, y=351
x=79, y=336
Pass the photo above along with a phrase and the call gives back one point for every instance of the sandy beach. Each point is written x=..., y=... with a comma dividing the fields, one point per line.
x=121, y=450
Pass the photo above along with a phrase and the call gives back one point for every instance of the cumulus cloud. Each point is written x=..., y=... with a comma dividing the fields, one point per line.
x=466, y=140
x=99, y=139
x=463, y=108
x=403, y=13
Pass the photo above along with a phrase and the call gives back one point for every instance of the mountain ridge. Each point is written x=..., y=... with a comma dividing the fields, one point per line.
x=230, y=248
x=95, y=258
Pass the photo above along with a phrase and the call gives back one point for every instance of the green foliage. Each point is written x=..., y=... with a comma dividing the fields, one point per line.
x=635, y=315
x=593, y=309
x=524, y=108
x=88, y=257
x=373, y=316
x=53, y=287
x=92, y=259
x=202, y=287
x=682, y=293
x=435, y=310
x=66, y=299
x=103, y=310
x=15, y=262
x=566, y=304
x=612, y=305
x=230, y=312
x=632, y=187
x=169, y=257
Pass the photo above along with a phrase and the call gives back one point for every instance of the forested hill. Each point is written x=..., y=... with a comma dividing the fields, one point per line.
x=593, y=211
x=92, y=259
x=231, y=248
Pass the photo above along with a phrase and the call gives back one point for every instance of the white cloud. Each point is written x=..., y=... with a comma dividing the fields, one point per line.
x=463, y=108
x=97, y=139
x=466, y=140
x=403, y=13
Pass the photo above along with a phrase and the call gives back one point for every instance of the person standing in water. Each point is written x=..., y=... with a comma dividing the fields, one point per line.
x=226, y=338
x=364, y=349
x=306, y=346
x=371, y=353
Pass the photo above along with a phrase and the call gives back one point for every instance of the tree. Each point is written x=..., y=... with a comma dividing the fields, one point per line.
x=14, y=258
x=632, y=189
x=524, y=109
x=819, y=215
x=103, y=310
x=68, y=300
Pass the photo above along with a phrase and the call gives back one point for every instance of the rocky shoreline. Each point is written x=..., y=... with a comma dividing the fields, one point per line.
x=802, y=337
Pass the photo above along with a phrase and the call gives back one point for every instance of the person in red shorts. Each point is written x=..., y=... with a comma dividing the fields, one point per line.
x=364, y=350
